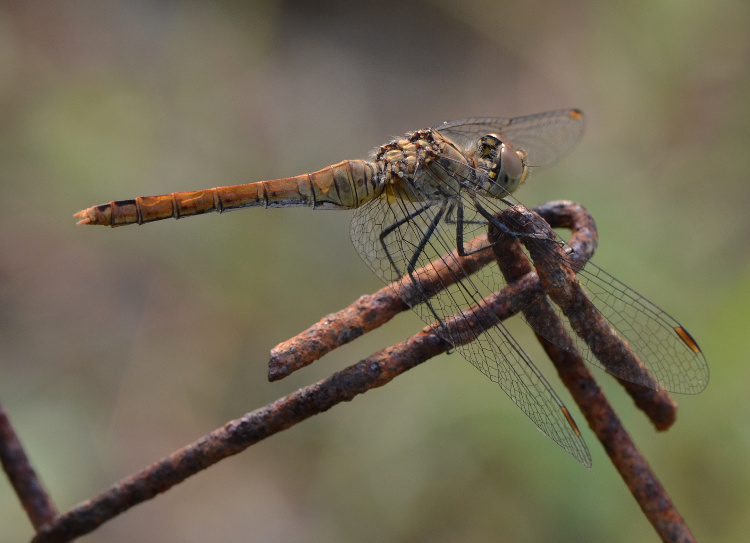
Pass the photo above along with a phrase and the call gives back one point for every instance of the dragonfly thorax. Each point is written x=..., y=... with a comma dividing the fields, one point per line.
x=423, y=166
x=506, y=167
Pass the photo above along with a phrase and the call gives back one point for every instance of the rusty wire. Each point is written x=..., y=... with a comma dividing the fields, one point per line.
x=656, y=403
x=523, y=293
x=371, y=311
x=237, y=435
x=30, y=491
x=565, y=290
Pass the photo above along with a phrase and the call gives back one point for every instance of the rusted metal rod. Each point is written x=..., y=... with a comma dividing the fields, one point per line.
x=23, y=478
x=237, y=435
x=627, y=459
x=523, y=293
x=656, y=402
x=370, y=311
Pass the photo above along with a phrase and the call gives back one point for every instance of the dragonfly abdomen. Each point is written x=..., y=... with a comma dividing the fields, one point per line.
x=345, y=185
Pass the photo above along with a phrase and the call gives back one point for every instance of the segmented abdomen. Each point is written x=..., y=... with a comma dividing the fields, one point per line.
x=345, y=185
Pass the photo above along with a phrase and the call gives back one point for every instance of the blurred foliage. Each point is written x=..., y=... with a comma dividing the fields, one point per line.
x=119, y=346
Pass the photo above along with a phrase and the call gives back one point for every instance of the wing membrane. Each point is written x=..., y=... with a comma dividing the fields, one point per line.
x=405, y=229
x=655, y=337
x=544, y=137
x=429, y=234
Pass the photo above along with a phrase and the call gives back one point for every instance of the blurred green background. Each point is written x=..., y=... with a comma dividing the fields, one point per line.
x=119, y=346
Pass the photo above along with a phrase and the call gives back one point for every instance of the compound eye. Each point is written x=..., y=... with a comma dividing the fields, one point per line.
x=512, y=162
x=487, y=146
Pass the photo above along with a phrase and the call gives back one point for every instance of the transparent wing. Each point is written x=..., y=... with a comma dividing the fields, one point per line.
x=667, y=350
x=395, y=236
x=544, y=137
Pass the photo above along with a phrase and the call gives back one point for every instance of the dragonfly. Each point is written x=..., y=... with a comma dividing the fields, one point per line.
x=421, y=199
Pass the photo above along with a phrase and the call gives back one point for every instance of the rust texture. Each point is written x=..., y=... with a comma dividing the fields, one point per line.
x=525, y=292
x=585, y=319
x=23, y=478
x=627, y=459
x=237, y=435
x=369, y=312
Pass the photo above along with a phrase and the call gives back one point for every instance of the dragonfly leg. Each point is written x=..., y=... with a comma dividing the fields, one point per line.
x=505, y=230
x=450, y=219
x=426, y=238
x=459, y=222
x=395, y=226
x=493, y=220
x=424, y=296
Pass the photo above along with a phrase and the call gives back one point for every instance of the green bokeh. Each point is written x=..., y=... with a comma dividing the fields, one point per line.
x=119, y=346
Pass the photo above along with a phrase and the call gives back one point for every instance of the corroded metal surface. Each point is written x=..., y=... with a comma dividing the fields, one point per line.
x=627, y=459
x=524, y=293
x=29, y=489
x=419, y=201
x=371, y=311
x=237, y=435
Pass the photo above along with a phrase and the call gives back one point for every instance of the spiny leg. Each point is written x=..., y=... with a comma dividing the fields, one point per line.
x=459, y=221
x=390, y=229
x=395, y=226
x=426, y=237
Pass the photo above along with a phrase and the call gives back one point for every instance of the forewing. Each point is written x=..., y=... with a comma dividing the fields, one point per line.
x=669, y=353
x=493, y=350
x=660, y=342
x=544, y=137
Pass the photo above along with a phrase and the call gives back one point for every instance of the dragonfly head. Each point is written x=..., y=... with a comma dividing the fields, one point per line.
x=506, y=167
